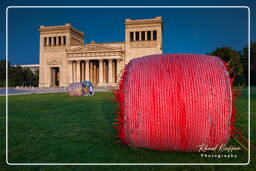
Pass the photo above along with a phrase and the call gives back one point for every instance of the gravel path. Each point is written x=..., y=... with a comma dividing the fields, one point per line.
x=14, y=91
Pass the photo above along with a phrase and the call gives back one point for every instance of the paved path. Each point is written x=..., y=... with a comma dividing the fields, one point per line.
x=14, y=91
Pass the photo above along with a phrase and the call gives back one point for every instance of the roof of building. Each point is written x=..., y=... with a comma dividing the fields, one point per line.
x=66, y=26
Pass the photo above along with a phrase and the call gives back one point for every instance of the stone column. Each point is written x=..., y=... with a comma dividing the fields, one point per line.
x=94, y=73
x=87, y=70
x=57, y=40
x=62, y=40
x=118, y=68
x=100, y=71
x=91, y=71
x=82, y=71
x=151, y=35
x=104, y=72
x=78, y=71
x=47, y=41
x=70, y=65
x=74, y=71
x=110, y=71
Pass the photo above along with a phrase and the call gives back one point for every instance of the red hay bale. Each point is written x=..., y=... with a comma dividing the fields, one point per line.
x=174, y=102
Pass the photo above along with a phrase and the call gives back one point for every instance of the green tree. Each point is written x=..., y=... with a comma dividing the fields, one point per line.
x=3, y=72
x=244, y=59
x=36, y=78
x=17, y=76
x=231, y=56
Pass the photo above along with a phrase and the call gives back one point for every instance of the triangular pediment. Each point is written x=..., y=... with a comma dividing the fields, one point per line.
x=94, y=47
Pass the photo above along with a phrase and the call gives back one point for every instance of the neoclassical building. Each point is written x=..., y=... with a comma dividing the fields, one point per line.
x=64, y=58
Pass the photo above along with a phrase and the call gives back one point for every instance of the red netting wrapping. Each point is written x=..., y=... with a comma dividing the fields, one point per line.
x=174, y=102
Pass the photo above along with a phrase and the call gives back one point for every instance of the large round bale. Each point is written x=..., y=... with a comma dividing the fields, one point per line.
x=177, y=102
x=84, y=88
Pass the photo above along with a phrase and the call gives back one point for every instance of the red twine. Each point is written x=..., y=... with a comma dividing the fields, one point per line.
x=175, y=102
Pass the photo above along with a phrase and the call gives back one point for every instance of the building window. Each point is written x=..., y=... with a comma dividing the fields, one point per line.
x=143, y=35
x=148, y=35
x=64, y=40
x=137, y=35
x=50, y=41
x=59, y=40
x=54, y=41
x=131, y=36
x=45, y=41
x=154, y=35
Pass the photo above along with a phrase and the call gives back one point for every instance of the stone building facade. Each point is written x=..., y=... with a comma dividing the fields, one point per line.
x=64, y=58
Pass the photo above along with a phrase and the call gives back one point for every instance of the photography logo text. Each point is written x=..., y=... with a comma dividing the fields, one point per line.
x=217, y=150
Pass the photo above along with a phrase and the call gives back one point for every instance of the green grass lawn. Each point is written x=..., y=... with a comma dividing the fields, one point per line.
x=57, y=128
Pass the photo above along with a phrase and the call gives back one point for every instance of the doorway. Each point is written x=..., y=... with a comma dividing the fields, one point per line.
x=55, y=77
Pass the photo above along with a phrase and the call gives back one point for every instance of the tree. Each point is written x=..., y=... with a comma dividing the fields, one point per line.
x=17, y=76
x=244, y=58
x=231, y=56
x=3, y=72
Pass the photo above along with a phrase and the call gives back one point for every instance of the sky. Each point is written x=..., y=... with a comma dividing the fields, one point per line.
x=186, y=30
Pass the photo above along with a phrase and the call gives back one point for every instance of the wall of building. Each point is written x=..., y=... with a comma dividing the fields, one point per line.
x=136, y=49
x=56, y=56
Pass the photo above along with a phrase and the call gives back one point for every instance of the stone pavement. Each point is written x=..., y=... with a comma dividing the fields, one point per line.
x=36, y=90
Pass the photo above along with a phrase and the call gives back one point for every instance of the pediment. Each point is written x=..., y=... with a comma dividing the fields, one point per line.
x=93, y=47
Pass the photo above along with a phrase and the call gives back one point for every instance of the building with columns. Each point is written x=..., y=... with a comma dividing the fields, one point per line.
x=64, y=58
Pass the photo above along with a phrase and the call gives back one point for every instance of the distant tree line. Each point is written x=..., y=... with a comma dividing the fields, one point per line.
x=238, y=61
x=17, y=76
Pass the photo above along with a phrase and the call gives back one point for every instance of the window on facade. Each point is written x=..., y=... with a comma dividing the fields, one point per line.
x=59, y=38
x=54, y=41
x=154, y=35
x=45, y=41
x=64, y=40
x=143, y=35
x=131, y=37
x=50, y=41
x=137, y=36
x=148, y=35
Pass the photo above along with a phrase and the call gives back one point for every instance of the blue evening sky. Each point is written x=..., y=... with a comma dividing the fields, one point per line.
x=185, y=30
